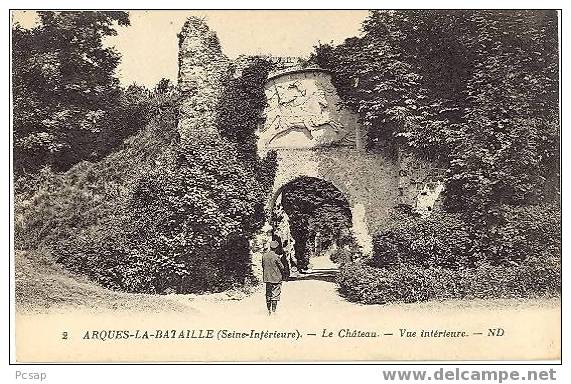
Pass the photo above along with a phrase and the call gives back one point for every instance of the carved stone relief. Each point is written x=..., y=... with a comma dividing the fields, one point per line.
x=304, y=111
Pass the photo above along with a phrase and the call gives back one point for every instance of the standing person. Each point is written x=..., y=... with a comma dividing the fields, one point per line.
x=273, y=269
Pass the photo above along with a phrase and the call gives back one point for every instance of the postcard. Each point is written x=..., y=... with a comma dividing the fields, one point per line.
x=271, y=186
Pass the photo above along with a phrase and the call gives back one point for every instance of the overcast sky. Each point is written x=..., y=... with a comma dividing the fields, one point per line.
x=149, y=46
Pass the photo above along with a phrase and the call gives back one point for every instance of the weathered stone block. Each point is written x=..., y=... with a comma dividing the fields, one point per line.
x=304, y=111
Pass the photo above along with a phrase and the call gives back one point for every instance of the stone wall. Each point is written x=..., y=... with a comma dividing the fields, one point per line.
x=315, y=135
x=420, y=184
x=368, y=181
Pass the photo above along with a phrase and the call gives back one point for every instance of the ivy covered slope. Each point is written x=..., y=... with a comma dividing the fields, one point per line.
x=185, y=225
x=158, y=214
x=476, y=91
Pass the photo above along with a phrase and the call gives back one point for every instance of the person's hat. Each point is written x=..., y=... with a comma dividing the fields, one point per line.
x=273, y=244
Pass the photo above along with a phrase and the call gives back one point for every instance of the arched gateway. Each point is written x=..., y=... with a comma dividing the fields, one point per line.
x=315, y=135
x=311, y=130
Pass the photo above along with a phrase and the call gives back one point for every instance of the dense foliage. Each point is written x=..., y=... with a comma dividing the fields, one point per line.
x=442, y=257
x=160, y=215
x=68, y=106
x=185, y=226
x=475, y=90
x=447, y=240
x=241, y=112
x=443, y=240
x=242, y=106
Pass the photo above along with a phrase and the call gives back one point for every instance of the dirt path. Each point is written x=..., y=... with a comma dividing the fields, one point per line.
x=310, y=307
x=314, y=292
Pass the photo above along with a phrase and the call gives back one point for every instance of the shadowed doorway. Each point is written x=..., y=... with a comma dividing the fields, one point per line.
x=310, y=218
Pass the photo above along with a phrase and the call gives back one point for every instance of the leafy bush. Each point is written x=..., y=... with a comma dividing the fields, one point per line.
x=447, y=240
x=345, y=254
x=439, y=240
x=362, y=282
x=532, y=231
x=185, y=226
x=442, y=257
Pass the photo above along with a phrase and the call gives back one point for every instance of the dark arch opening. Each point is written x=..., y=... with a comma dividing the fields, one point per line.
x=319, y=219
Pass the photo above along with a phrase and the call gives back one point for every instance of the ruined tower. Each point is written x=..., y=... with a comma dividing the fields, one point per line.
x=202, y=71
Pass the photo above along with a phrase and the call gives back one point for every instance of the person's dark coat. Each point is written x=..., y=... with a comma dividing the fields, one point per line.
x=272, y=267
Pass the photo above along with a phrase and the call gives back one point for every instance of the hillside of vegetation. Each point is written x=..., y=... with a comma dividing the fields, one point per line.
x=477, y=92
x=107, y=191
x=152, y=213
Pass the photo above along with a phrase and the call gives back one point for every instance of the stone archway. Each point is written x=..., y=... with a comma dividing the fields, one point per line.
x=315, y=135
x=356, y=208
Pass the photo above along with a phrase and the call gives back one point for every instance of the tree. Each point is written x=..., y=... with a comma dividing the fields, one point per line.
x=164, y=86
x=474, y=90
x=63, y=86
x=509, y=130
x=375, y=79
x=133, y=109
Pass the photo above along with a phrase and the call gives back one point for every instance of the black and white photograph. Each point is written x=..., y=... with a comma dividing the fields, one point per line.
x=286, y=185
